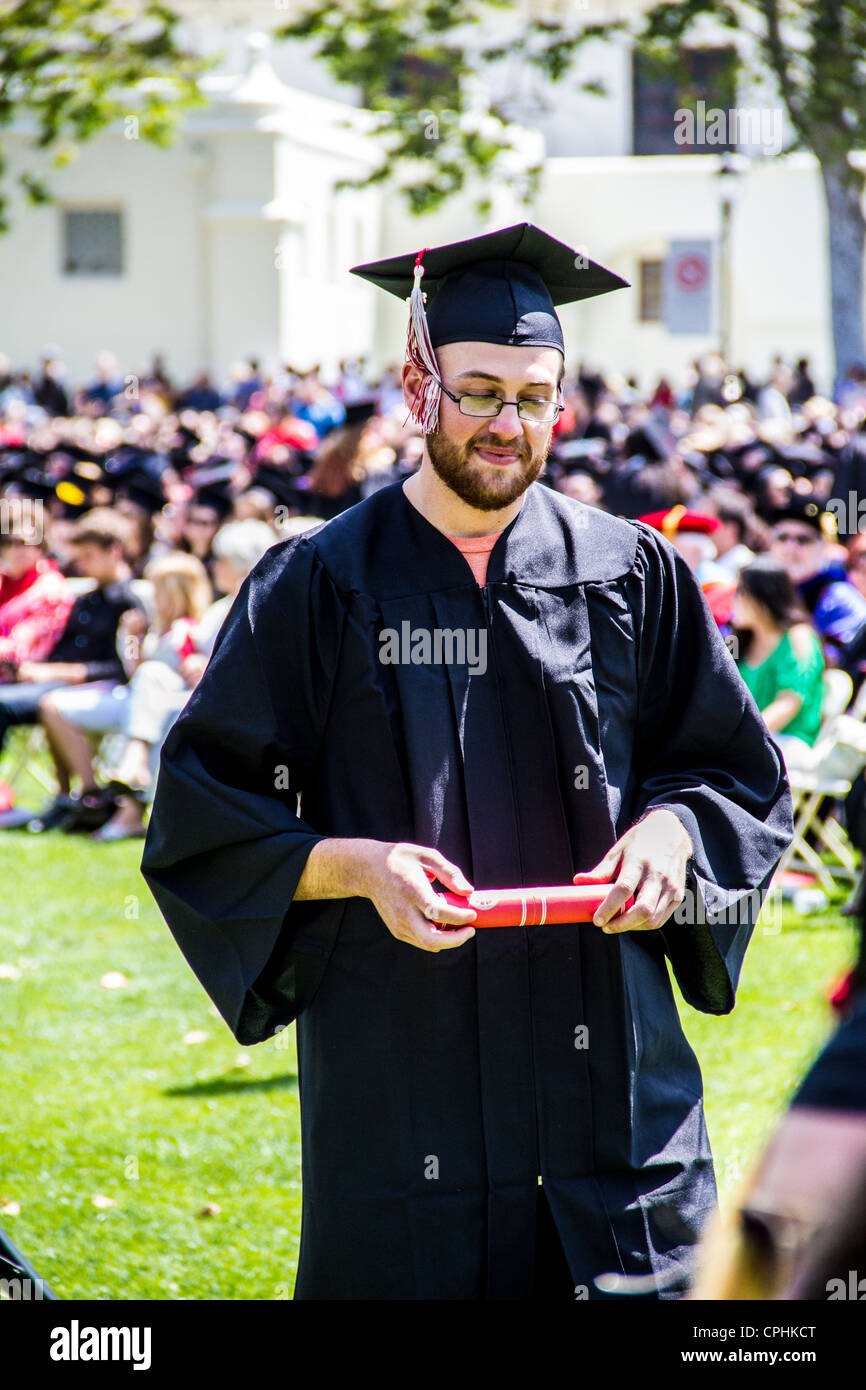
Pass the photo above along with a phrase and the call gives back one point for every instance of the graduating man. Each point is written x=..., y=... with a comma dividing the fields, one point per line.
x=472, y=679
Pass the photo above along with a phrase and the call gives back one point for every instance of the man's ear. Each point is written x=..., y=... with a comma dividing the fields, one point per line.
x=413, y=380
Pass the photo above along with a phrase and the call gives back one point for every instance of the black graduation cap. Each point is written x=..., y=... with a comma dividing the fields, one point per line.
x=72, y=450
x=34, y=474
x=216, y=494
x=805, y=509
x=360, y=411
x=30, y=481
x=14, y=459
x=807, y=457
x=287, y=488
x=498, y=288
x=647, y=439
x=217, y=470
x=135, y=472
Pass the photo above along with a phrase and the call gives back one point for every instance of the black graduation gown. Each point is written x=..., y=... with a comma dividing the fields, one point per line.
x=435, y=1088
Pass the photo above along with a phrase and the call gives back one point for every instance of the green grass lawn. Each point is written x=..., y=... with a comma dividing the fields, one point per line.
x=103, y=1097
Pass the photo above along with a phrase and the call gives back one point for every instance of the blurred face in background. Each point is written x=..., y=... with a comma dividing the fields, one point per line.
x=726, y=536
x=745, y=611
x=583, y=487
x=226, y=578
x=800, y=549
x=856, y=564
x=93, y=561
x=139, y=532
x=16, y=556
x=779, y=486
x=199, y=528
x=695, y=548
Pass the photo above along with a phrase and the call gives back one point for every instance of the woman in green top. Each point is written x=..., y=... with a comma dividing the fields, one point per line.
x=779, y=656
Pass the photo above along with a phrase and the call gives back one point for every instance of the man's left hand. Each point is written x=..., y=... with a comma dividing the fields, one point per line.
x=649, y=860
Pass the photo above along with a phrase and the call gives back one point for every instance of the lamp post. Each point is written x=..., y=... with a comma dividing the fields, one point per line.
x=731, y=166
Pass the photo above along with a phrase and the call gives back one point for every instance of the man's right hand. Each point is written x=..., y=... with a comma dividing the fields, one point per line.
x=401, y=893
x=396, y=879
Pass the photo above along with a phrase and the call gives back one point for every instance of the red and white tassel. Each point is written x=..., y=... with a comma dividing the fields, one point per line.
x=424, y=409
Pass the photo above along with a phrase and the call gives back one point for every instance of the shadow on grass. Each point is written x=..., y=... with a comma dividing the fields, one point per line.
x=226, y=1085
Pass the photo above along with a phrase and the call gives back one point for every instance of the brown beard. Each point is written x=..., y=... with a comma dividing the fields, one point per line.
x=486, y=486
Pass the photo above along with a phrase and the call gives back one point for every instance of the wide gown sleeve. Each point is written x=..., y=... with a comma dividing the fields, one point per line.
x=703, y=751
x=225, y=845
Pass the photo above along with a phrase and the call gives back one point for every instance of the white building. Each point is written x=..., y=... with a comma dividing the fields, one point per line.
x=234, y=242
x=230, y=243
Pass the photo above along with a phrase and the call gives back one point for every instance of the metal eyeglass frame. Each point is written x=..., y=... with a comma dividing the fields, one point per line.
x=457, y=399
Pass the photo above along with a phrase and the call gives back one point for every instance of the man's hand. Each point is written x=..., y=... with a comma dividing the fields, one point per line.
x=401, y=894
x=649, y=860
x=396, y=879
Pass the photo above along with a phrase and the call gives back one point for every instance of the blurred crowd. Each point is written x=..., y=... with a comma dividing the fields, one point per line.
x=133, y=506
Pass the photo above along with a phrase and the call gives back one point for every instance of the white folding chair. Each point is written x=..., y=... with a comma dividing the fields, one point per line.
x=23, y=750
x=838, y=757
x=838, y=689
x=858, y=708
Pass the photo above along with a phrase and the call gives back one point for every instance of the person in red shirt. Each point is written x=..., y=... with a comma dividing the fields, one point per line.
x=35, y=599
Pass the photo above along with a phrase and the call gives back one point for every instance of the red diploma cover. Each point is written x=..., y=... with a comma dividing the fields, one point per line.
x=533, y=907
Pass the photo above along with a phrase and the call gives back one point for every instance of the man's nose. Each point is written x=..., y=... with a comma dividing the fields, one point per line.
x=507, y=424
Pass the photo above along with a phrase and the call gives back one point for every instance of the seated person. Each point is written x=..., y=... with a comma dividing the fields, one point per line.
x=158, y=691
x=35, y=599
x=71, y=717
x=837, y=610
x=779, y=656
x=691, y=534
x=85, y=653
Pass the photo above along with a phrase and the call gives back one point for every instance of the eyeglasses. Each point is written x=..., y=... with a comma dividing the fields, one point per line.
x=539, y=412
x=796, y=537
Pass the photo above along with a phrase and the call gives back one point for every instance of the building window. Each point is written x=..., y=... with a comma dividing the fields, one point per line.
x=661, y=86
x=92, y=242
x=650, y=283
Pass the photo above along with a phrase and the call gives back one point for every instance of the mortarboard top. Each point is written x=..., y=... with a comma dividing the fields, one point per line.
x=805, y=509
x=32, y=475
x=14, y=458
x=30, y=481
x=360, y=411
x=215, y=494
x=134, y=473
x=76, y=489
x=648, y=440
x=809, y=456
x=280, y=483
x=498, y=288
x=217, y=470
x=565, y=275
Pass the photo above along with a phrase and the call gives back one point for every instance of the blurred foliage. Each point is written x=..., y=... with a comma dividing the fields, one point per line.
x=414, y=59
x=413, y=62
x=71, y=68
x=815, y=50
